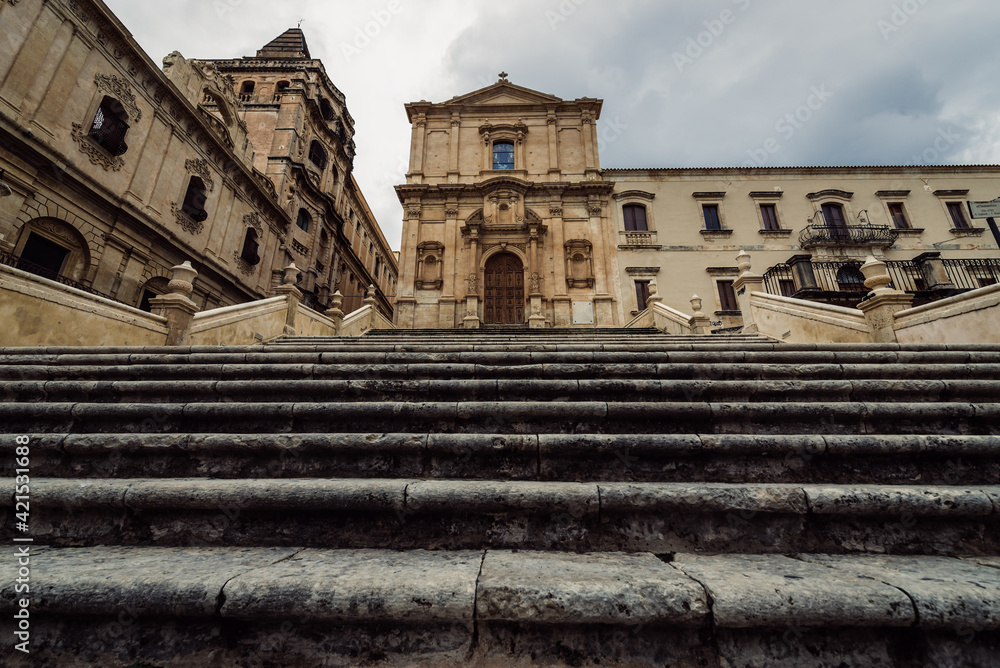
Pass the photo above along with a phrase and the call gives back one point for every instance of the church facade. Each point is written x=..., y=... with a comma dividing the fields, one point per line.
x=507, y=215
x=510, y=220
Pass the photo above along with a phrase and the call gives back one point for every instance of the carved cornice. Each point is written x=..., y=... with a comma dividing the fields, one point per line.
x=832, y=193
x=121, y=91
x=253, y=220
x=97, y=155
x=634, y=194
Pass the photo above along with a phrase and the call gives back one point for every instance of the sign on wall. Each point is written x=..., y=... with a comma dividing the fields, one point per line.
x=985, y=209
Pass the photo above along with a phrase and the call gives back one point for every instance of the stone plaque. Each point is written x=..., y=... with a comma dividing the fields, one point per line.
x=583, y=313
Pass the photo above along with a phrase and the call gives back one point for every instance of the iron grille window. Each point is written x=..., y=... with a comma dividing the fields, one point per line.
x=711, y=212
x=635, y=218
x=503, y=155
x=109, y=127
x=769, y=214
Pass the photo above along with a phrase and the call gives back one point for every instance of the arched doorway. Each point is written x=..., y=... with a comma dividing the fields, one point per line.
x=504, y=298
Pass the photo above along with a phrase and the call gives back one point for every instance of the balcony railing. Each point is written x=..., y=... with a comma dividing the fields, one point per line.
x=879, y=236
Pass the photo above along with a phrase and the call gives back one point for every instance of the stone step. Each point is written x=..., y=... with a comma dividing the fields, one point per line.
x=298, y=606
x=471, y=514
x=529, y=389
x=503, y=417
x=832, y=459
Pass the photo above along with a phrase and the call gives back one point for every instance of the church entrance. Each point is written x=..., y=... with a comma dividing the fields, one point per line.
x=504, y=299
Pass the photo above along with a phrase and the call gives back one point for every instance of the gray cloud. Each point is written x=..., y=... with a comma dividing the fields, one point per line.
x=901, y=72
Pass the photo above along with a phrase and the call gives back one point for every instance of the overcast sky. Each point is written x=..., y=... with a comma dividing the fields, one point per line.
x=705, y=83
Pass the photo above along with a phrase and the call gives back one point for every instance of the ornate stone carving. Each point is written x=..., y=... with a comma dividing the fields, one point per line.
x=451, y=213
x=535, y=284
x=200, y=169
x=595, y=210
x=429, y=265
x=96, y=154
x=556, y=211
x=413, y=212
x=121, y=91
x=253, y=220
x=244, y=266
x=473, y=281
x=187, y=223
x=579, y=263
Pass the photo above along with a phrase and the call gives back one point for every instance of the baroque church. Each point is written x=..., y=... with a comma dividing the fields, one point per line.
x=510, y=220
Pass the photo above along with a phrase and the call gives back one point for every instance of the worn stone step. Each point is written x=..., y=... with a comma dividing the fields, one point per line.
x=306, y=607
x=889, y=459
x=505, y=417
x=530, y=389
x=469, y=514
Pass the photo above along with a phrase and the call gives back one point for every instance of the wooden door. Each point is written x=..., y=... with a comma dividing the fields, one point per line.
x=504, y=299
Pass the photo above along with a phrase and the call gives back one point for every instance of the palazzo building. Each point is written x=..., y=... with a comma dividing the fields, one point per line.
x=115, y=170
x=511, y=221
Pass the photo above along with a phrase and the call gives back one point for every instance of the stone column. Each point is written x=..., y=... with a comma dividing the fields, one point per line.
x=932, y=269
x=456, y=125
x=881, y=307
x=176, y=306
x=552, y=123
x=293, y=296
x=335, y=312
x=744, y=285
x=802, y=273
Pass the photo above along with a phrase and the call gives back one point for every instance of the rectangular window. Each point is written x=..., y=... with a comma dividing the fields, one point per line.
x=898, y=216
x=712, y=221
x=635, y=218
x=641, y=294
x=503, y=155
x=957, y=212
x=769, y=213
x=727, y=296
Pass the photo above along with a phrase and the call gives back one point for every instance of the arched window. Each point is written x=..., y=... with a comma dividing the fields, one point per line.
x=194, y=200
x=327, y=110
x=503, y=155
x=304, y=220
x=317, y=154
x=247, y=89
x=250, y=248
x=635, y=218
x=324, y=239
x=280, y=87
x=850, y=279
x=110, y=126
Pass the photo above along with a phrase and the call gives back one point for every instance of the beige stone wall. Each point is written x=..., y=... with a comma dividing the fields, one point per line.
x=973, y=317
x=119, y=215
x=684, y=259
x=799, y=321
x=550, y=213
x=240, y=325
x=39, y=312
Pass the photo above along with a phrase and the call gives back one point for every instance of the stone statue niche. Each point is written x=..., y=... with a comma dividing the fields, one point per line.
x=430, y=255
x=579, y=264
x=504, y=208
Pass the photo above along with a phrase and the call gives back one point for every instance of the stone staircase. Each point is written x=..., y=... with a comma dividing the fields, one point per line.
x=508, y=498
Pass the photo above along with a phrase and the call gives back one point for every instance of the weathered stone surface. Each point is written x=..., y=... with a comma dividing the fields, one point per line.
x=555, y=588
x=750, y=591
x=704, y=498
x=948, y=593
x=147, y=581
x=897, y=500
x=492, y=496
x=360, y=586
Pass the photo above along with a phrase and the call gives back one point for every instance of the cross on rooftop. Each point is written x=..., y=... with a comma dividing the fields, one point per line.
x=503, y=76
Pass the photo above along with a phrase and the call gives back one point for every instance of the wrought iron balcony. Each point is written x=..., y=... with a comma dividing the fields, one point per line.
x=878, y=236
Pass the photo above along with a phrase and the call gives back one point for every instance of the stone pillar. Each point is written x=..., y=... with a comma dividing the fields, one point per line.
x=551, y=121
x=700, y=323
x=746, y=284
x=471, y=319
x=881, y=307
x=654, y=294
x=293, y=295
x=176, y=306
x=932, y=269
x=802, y=273
x=371, y=301
x=335, y=312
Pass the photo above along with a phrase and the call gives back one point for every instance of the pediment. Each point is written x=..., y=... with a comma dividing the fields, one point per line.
x=504, y=92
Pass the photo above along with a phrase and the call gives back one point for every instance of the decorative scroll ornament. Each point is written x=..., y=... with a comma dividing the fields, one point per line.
x=95, y=153
x=595, y=210
x=121, y=91
x=244, y=266
x=556, y=211
x=187, y=223
x=451, y=213
x=253, y=220
x=200, y=168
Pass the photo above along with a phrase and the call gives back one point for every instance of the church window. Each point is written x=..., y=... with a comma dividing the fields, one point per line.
x=247, y=90
x=194, y=200
x=327, y=110
x=250, y=247
x=110, y=126
x=304, y=220
x=317, y=155
x=635, y=218
x=503, y=155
